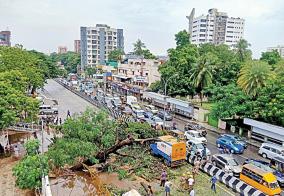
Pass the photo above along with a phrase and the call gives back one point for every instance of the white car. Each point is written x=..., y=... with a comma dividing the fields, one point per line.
x=197, y=147
x=269, y=150
x=193, y=135
x=152, y=109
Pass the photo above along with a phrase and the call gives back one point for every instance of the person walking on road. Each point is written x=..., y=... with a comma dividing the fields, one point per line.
x=213, y=183
x=163, y=178
x=68, y=114
x=60, y=121
x=168, y=188
x=192, y=193
x=190, y=182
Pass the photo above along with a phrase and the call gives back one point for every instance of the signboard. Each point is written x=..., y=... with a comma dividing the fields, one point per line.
x=140, y=79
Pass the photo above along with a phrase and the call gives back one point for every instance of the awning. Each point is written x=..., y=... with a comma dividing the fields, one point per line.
x=122, y=77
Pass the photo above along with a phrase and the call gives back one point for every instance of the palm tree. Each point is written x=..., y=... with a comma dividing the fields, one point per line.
x=139, y=46
x=253, y=76
x=201, y=75
x=242, y=49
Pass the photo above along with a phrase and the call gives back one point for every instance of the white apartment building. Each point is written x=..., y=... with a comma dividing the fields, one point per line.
x=215, y=27
x=279, y=49
x=97, y=42
x=140, y=71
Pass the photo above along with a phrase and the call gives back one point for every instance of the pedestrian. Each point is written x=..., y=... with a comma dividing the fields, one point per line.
x=163, y=178
x=192, y=193
x=196, y=166
x=68, y=114
x=190, y=182
x=168, y=188
x=213, y=183
x=60, y=121
x=16, y=151
x=174, y=125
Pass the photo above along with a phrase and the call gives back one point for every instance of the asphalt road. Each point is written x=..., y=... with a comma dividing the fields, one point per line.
x=65, y=98
x=68, y=100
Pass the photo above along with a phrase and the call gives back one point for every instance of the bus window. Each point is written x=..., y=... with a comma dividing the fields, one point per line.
x=273, y=185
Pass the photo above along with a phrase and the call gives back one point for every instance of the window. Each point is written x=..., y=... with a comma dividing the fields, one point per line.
x=203, y=20
x=201, y=35
x=202, y=25
x=202, y=30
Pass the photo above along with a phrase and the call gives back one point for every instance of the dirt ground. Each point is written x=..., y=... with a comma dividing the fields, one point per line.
x=7, y=180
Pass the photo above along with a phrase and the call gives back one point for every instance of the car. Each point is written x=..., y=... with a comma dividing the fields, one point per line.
x=269, y=150
x=231, y=145
x=193, y=135
x=197, y=148
x=151, y=109
x=127, y=111
x=165, y=115
x=148, y=114
x=155, y=120
x=139, y=114
x=47, y=110
x=225, y=160
x=237, y=138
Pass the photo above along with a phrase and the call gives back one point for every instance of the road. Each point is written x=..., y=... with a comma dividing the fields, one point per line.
x=68, y=100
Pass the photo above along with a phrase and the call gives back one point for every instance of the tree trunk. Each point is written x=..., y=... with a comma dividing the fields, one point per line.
x=201, y=96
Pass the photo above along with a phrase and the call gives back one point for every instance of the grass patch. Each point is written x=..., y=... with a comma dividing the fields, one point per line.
x=212, y=121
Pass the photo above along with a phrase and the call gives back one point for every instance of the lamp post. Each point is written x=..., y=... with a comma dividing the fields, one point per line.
x=165, y=81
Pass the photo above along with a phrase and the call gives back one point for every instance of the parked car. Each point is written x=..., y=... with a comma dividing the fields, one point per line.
x=47, y=110
x=151, y=109
x=148, y=114
x=231, y=145
x=225, y=161
x=197, y=148
x=237, y=138
x=193, y=135
x=163, y=114
x=269, y=150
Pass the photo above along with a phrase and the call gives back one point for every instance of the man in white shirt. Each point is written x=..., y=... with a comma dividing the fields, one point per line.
x=190, y=182
x=192, y=193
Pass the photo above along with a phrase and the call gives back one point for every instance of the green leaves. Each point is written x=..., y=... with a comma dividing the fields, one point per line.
x=29, y=171
x=32, y=146
x=115, y=55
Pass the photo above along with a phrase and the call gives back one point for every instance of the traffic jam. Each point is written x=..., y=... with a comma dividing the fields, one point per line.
x=188, y=141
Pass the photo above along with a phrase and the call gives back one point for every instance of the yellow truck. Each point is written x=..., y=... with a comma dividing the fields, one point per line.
x=172, y=150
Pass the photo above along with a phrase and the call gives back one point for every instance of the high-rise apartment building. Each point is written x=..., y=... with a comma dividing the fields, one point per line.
x=62, y=49
x=5, y=38
x=215, y=27
x=77, y=46
x=97, y=42
x=279, y=49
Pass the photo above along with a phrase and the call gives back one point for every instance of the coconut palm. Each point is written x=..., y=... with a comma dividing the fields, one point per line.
x=253, y=76
x=201, y=73
x=139, y=46
x=242, y=50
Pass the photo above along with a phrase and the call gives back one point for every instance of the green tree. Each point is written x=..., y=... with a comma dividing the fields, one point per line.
x=253, y=76
x=70, y=60
x=201, y=76
x=115, y=55
x=182, y=38
x=32, y=147
x=29, y=171
x=242, y=50
x=139, y=46
x=271, y=58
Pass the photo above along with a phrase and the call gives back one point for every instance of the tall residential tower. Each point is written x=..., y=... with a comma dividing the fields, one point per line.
x=215, y=27
x=97, y=42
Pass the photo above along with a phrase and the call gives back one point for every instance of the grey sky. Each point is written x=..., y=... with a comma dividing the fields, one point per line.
x=45, y=24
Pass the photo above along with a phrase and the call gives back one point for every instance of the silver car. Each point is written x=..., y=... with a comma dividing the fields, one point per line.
x=227, y=162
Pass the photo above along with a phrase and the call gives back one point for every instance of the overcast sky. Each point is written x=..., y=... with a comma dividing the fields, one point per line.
x=45, y=24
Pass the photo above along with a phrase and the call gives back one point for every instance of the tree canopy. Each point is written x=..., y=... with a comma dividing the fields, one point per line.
x=141, y=50
x=115, y=55
x=70, y=60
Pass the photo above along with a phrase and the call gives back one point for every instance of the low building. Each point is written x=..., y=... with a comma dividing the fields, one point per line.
x=5, y=38
x=77, y=46
x=265, y=132
x=62, y=49
x=279, y=49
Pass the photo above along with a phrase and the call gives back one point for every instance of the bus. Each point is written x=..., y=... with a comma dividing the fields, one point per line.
x=260, y=179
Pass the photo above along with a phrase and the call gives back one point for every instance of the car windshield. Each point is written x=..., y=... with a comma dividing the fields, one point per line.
x=233, y=162
x=140, y=113
x=234, y=143
x=282, y=152
x=197, y=135
x=158, y=119
x=199, y=146
x=273, y=185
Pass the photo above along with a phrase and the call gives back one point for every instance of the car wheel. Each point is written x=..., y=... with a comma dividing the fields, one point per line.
x=264, y=155
x=218, y=145
x=232, y=151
